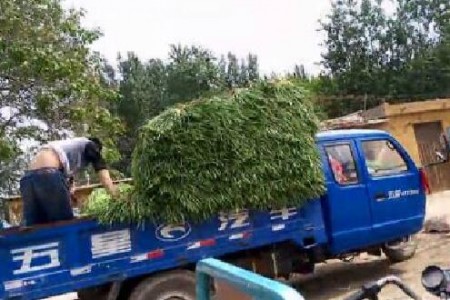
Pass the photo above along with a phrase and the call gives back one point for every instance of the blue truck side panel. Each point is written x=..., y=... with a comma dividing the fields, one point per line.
x=57, y=259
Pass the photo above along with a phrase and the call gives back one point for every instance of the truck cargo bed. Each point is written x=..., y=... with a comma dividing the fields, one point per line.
x=57, y=258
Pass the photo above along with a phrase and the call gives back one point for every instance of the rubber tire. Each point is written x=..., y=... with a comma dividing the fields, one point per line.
x=401, y=252
x=179, y=285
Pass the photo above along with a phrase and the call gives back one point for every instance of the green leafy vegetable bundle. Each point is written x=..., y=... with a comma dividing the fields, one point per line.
x=101, y=205
x=254, y=149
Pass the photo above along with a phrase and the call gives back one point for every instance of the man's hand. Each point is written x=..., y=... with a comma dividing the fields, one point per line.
x=114, y=191
x=72, y=195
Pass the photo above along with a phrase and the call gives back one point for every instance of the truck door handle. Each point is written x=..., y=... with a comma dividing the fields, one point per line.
x=380, y=196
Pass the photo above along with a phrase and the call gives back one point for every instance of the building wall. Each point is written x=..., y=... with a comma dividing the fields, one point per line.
x=400, y=120
x=402, y=128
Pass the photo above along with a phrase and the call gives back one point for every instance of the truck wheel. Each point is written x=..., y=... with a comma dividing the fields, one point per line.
x=175, y=285
x=400, y=250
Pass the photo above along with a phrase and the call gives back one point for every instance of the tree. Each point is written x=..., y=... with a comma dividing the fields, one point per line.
x=233, y=72
x=376, y=55
x=143, y=94
x=243, y=79
x=190, y=72
x=50, y=83
x=299, y=72
x=253, y=68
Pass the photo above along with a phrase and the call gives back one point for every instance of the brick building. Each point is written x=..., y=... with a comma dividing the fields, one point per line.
x=418, y=126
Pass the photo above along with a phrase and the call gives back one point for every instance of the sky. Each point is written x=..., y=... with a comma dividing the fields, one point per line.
x=282, y=33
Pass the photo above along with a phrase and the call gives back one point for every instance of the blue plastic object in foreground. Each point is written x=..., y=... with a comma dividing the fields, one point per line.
x=254, y=285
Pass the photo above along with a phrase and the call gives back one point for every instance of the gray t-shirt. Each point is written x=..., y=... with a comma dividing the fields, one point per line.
x=75, y=154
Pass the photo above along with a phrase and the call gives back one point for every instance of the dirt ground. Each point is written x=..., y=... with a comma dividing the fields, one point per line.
x=336, y=279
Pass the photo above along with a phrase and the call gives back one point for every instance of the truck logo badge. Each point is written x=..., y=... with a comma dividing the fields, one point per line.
x=172, y=232
x=394, y=194
x=399, y=193
x=36, y=258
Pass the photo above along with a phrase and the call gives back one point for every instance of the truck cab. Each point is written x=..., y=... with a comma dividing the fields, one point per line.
x=375, y=192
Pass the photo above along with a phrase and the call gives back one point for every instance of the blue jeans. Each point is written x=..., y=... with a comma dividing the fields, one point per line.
x=45, y=196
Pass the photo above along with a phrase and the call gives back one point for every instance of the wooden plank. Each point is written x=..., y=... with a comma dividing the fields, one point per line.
x=81, y=193
x=439, y=174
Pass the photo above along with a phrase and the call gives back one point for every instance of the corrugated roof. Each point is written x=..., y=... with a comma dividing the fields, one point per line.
x=353, y=120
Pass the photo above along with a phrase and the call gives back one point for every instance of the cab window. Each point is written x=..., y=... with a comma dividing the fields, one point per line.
x=383, y=159
x=342, y=163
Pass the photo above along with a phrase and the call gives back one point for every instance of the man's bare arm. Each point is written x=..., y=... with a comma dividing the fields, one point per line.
x=106, y=181
x=93, y=154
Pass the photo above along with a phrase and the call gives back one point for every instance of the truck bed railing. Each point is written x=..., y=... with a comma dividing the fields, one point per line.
x=12, y=205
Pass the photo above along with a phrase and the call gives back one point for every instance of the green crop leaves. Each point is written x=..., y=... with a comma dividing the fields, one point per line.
x=254, y=149
x=108, y=210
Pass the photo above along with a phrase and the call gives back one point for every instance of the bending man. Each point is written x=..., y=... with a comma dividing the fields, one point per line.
x=46, y=187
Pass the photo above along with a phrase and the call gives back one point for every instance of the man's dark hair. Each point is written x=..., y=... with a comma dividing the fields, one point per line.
x=97, y=142
x=93, y=154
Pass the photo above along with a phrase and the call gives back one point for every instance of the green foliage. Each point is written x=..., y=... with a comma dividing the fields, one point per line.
x=147, y=88
x=48, y=74
x=11, y=169
x=253, y=149
x=51, y=84
x=6, y=151
x=191, y=73
x=118, y=209
x=314, y=86
x=375, y=55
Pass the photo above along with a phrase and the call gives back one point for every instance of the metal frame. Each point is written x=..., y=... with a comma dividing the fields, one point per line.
x=254, y=285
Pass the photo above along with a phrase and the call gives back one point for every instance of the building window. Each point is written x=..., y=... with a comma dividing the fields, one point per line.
x=383, y=159
x=342, y=163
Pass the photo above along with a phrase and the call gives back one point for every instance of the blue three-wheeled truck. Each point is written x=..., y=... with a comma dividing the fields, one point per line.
x=375, y=202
